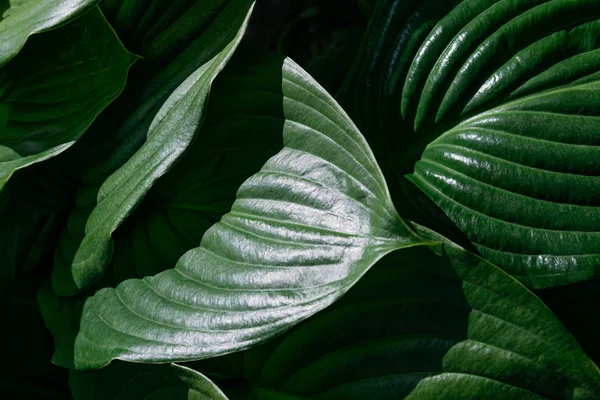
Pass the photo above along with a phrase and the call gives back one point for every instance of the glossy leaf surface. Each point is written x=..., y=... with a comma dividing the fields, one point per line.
x=46, y=105
x=26, y=17
x=301, y=232
x=531, y=158
x=197, y=192
x=423, y=326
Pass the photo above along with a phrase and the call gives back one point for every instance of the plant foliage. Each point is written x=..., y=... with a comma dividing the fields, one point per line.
x=187, y=212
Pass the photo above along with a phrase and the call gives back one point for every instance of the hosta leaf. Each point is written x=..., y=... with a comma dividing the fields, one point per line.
x=123, y=128
x=159, y=29
x=169, y=135
x=423, y=326
x=301, y=232
x=197, y=192
x=241, y=131
x=533, y=163
x=25, y=17
x=505, y=95
x=53, y=90
x=136, y=382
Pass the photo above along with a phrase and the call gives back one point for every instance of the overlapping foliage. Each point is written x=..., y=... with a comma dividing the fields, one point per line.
x=174, y=192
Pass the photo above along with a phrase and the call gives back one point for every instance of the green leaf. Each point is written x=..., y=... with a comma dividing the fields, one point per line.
x=25, y=17
x=499, y=106
x=122, y=129
x=157, y=30
x=197, y=192
x=61, y=316
x=137, y=382
x=302, y=231
x=424, y=326
x=169, y=135
x=241, y=131
x=28, y=349
x=53, y=90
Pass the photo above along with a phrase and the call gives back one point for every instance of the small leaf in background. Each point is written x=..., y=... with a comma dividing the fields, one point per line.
x=301, y=232
x=23, y=18
x=54, y=89
x=137, y=382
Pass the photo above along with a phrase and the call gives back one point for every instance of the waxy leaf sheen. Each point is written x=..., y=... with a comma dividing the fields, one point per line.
x=301, y=232
x=496, y=101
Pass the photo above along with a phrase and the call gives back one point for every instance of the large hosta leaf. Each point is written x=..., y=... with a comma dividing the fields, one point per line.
x=159, y=29
x=25, y=17
x=136, y=382
x=53, y=90
x=169, y=135
x=506, y=94
x=302, y=231
x=532, y=162
x=423, y=326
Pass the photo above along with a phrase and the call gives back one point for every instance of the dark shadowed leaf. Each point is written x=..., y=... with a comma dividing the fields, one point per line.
x=53, y=90
x=505, y=94
x=143, y=382
x=23, y=18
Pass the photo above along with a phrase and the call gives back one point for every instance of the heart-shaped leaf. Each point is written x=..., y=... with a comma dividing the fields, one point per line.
x=424, y=326
x=302, y=231
x=53, y=90
x=25, y=17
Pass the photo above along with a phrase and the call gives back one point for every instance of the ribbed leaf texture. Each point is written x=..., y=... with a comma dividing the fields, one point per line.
x=301, y=232
x=504, y=96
